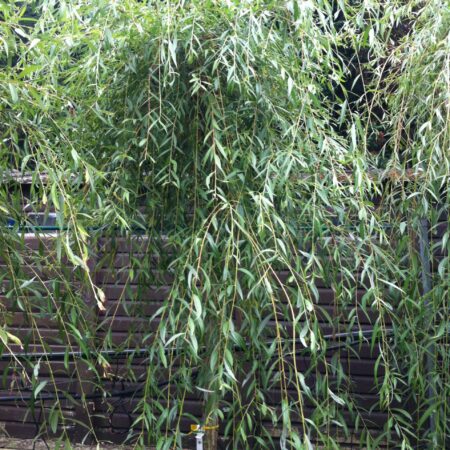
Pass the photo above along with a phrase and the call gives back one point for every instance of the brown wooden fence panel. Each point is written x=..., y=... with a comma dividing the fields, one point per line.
x=126, y=317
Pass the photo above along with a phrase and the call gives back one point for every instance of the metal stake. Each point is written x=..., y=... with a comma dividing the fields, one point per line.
x=199, y=440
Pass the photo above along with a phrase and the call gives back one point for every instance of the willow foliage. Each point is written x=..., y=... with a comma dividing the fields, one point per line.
x=264, y=148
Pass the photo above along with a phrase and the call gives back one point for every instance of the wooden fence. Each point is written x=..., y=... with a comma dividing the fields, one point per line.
x=126, y=319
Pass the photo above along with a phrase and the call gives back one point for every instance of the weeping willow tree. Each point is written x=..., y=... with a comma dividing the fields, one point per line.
x=263, y=148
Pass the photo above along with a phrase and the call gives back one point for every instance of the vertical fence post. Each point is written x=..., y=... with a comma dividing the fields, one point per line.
x=424, y=255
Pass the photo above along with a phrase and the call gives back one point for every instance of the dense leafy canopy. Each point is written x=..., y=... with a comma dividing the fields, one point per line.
x=243, y=138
